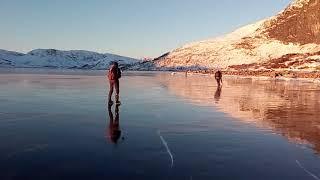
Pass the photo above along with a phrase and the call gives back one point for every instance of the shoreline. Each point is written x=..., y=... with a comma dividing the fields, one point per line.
x=282, y=75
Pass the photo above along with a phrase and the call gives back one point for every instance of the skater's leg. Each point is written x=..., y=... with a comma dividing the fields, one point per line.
x=110, y=92
x=218, y=81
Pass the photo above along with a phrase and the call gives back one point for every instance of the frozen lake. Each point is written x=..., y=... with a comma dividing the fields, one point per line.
x=56, y=125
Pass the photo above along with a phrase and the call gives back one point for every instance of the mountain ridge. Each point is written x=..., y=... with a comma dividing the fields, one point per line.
x=62, y=59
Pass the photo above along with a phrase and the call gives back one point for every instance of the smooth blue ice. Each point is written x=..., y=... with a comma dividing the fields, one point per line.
x=55, y=125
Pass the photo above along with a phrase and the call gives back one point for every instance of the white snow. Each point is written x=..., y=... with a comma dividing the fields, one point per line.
x=235, y=48
x=315, y=57
x=299, y=3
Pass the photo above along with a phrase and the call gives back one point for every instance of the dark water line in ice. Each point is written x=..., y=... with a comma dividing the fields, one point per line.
x=305, y=170
x=166, y=145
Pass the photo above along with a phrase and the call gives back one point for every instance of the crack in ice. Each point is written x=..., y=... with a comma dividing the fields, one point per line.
x=166, y=145
x=305, y=170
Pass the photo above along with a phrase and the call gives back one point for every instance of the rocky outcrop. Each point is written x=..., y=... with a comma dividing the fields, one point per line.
x=299, y=23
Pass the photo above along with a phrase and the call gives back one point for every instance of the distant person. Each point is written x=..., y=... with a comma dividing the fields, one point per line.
x=114, y=132
x=277, y=75
x=114, y=74
x=218, y=77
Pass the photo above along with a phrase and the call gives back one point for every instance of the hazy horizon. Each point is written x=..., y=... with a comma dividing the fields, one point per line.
x=136, y=29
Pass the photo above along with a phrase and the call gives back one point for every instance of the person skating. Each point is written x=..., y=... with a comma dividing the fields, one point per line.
x=114, y=74
x=218, y=77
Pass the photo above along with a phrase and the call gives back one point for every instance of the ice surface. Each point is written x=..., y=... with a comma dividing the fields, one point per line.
x=54, y=126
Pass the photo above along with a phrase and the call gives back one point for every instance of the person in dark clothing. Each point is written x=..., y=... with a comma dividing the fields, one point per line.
x=277, y=75
x=218, y=77
x=114, y=74
x=114, y=132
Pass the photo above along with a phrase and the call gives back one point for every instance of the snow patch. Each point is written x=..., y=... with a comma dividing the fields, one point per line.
x=299, y=3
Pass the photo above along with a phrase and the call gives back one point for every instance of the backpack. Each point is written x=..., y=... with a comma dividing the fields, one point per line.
x=114, y=73
x=218, y=74
x=119, y=73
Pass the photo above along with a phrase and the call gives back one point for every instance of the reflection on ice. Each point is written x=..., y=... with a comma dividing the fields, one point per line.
x=217, y=94
x=114, y=132
x=289, y=108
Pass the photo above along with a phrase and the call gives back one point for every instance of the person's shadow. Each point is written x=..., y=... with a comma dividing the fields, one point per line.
x=217, y=94
x=114, y=132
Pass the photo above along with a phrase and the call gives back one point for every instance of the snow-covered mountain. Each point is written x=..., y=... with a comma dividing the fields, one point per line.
x=52, y=58
x=290, y=39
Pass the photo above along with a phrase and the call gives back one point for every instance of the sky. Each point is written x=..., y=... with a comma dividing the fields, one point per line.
x=134, y=28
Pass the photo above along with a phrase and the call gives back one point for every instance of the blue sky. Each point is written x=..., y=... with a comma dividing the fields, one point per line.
x=136, y=28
